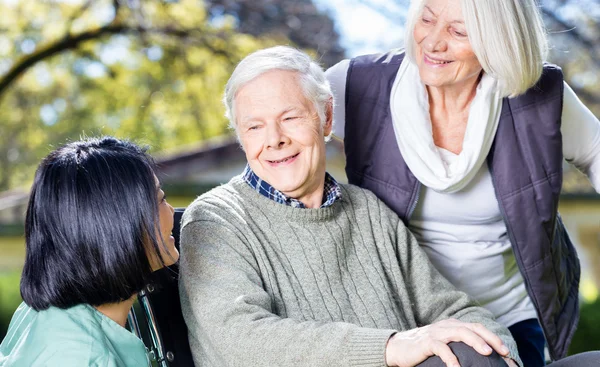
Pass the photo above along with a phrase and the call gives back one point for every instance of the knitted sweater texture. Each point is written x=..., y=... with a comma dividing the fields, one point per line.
x=265, y=284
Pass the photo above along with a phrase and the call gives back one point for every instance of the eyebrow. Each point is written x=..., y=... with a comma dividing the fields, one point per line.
x=245, y=119
x=249, y=118
x=430, y=10
x=435, y=15
x=290, y=108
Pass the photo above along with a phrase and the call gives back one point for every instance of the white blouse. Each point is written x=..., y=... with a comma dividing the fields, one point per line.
x=464, y=234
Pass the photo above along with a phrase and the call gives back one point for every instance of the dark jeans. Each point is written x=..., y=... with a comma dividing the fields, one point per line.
x=587, y=359
x=468, y=357
x=530, y=342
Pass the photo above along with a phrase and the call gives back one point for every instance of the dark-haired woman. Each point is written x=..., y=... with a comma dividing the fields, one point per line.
x=97, y=226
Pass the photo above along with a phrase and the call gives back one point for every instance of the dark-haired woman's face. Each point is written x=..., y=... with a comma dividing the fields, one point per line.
x=165, y=215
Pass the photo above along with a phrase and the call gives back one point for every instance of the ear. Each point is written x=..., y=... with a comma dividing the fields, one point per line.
x=328, y=126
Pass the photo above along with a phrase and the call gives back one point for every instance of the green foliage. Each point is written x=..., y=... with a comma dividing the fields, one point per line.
x=10, y=298
x=300, y=21
x=587, y=336
x=152, y=73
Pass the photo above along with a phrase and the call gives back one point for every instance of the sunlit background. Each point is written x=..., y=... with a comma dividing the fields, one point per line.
x=154, y=70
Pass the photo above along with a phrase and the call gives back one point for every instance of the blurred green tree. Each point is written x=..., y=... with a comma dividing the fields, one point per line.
x=297, y=20
x=151, y=70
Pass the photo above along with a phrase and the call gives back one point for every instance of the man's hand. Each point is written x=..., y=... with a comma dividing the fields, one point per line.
x=412, y=347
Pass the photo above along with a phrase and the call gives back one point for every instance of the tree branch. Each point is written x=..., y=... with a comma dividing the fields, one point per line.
x=78, y=13
x=591, y=98
x=67, y=43
x=572, y=32
x=73, y=41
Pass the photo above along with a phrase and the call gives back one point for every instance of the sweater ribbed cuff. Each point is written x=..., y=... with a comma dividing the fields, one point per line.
x=367, y=347
x=513, y=353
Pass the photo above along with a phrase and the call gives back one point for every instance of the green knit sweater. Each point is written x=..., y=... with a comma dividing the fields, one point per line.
x=265, y=284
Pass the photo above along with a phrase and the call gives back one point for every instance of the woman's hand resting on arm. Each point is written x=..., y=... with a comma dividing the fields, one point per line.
x=409, y=348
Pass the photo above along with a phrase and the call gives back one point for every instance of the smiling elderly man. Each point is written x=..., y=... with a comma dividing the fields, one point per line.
x=283, y=266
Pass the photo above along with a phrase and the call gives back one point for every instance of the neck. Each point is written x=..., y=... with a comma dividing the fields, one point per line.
x=313, y=198
x=117, y=311
x=455, y=98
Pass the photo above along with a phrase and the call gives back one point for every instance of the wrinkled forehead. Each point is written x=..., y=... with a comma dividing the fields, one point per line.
x=450, y=10
x=272, y=92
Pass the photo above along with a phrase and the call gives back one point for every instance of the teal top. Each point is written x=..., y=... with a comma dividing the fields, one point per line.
x=78, y=336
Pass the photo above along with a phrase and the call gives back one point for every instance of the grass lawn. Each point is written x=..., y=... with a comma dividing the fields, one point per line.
x=13, y=253
x=10, y=297
x=588, y=290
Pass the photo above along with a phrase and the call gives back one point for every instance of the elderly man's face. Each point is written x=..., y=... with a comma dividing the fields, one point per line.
x=281, y=134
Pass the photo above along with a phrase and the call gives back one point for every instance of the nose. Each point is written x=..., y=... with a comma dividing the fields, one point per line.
x=435, y=41
x=276, y=136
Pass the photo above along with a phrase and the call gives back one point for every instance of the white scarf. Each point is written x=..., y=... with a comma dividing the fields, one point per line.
x=409, y=104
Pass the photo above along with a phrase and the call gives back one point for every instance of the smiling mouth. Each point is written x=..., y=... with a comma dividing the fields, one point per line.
x=436, y=62
x=284, y=159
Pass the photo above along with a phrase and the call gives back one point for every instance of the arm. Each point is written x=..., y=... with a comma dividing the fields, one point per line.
x=337, y=79
x=437, y=305
x=581, y=137
x=231, y=318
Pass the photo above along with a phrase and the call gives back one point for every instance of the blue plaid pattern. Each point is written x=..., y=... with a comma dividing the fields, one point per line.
x=331, y=191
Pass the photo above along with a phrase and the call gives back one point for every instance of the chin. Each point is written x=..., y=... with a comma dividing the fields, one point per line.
x=285, y=185
x=286, y=188
x=432, y=82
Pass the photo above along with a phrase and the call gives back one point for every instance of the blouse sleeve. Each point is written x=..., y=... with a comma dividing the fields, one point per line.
x=337, y=79
x=581, y=137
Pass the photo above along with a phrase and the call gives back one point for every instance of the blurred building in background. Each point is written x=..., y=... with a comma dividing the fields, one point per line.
x=196, y=169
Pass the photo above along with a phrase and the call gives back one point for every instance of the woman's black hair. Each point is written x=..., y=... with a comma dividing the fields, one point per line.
x=90, y=225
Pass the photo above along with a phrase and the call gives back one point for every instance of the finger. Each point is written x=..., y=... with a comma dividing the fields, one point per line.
x=469, y=337
x=443, y=351
x=490, y=338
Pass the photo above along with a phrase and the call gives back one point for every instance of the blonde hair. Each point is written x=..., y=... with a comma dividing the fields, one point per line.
x=507, y=36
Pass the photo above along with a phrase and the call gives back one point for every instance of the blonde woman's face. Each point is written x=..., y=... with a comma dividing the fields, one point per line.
x=443, y=52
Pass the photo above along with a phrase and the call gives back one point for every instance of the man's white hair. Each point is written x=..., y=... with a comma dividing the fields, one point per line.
x=312, y=78
x=507, y=36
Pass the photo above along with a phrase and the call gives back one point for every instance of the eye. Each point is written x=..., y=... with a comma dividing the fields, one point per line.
x=459, y=33
x=164, y=198
x=290, y=118
x=253, y=127
x=426, y=20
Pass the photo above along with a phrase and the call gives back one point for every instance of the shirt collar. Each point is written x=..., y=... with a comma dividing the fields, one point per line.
x=331, y=190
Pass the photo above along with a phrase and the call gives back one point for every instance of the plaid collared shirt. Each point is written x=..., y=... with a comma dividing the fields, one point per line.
x=331, y=191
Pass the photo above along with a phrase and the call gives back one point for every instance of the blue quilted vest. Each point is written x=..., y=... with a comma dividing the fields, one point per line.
x=525, y=163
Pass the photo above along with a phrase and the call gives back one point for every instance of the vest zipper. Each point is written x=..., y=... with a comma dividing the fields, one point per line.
x=519, y=260
x=414, y=203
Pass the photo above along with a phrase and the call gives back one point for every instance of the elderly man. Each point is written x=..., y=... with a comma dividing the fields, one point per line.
x=283, y=266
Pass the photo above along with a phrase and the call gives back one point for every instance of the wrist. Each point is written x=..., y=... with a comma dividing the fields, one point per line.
x=387, y=357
